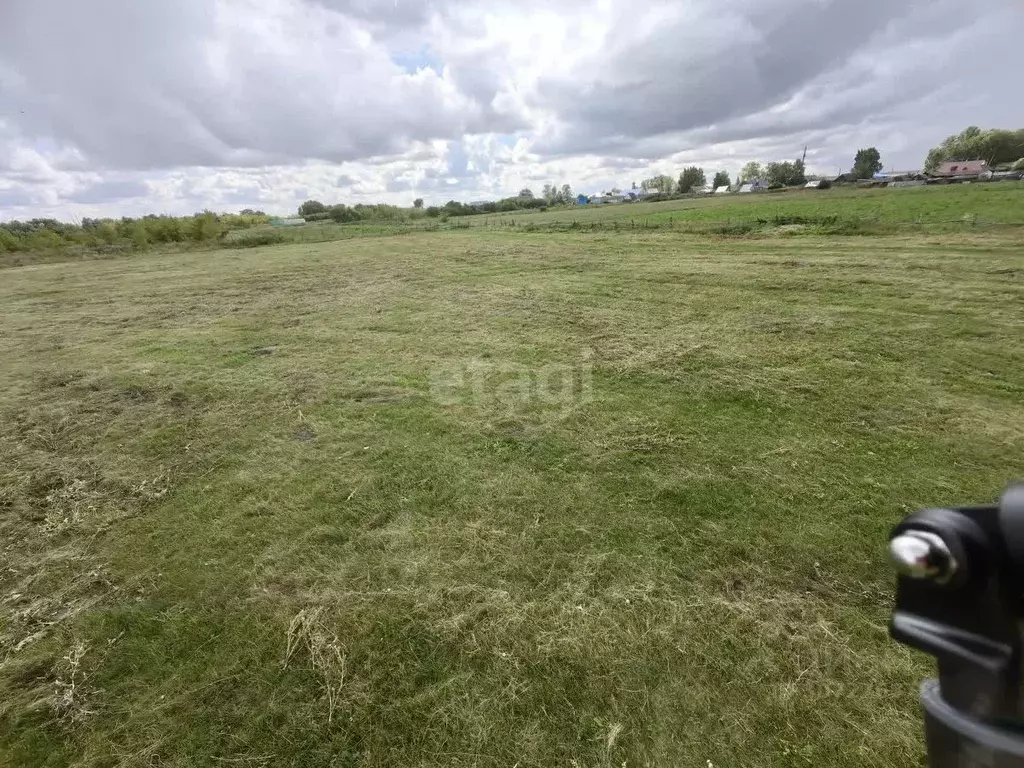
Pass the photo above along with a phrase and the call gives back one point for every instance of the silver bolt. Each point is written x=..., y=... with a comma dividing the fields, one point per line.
x=922, y=555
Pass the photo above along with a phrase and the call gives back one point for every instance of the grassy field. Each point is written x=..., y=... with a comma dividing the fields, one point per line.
x=930, y=207
x=488, y=498
x=842, y=210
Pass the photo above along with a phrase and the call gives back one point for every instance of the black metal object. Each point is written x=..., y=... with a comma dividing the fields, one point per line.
x=960, y=598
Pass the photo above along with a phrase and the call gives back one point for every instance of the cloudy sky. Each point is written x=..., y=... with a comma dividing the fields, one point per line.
x=112, y=107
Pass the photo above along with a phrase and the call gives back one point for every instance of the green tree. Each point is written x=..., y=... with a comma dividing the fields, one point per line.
x=567, y=196
x=866, y=163
x=995, y=146
x=786, y=174
x=661, y=184
x=417, y=203
x=751, y=171
x=690, y=179
x=722, y=179
x=526, y=193
x=310, y=207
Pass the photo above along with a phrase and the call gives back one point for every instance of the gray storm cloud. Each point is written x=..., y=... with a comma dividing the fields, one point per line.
x=215, y=92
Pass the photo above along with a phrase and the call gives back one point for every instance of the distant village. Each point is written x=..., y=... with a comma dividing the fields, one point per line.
x=953, y=172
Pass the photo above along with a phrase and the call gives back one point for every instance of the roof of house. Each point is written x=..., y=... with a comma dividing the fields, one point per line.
x=754, y=184
x=961, y=168
x=722, y=190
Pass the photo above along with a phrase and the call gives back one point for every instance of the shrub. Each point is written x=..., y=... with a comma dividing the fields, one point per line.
x=44, y=238
x=257, y=238
x=8, y=242
x=106, y=233
x=138, y=235
x=205, y=227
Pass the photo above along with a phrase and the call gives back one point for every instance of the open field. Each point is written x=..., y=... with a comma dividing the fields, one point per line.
x=928, y=207
x=488, y=498
x=841, y=211
x=844, y=210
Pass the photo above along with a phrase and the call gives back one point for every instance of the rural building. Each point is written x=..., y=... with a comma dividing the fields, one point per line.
x=723, y=190
x=607, y=198
x=582, y=200
x=707, y=189
x=640, y=194
x=755, y=185
x=814, y=184
x=961, y=168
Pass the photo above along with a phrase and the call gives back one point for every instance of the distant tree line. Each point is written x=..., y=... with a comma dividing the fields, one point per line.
x=314, y=210
x=693, y=178
x=552, y=195
x=136, y=233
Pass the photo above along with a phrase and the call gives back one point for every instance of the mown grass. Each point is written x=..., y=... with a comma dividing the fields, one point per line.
x=241, y=527
x=999, y=202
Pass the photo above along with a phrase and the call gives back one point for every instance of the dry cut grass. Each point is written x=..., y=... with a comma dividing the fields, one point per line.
x=242, y=524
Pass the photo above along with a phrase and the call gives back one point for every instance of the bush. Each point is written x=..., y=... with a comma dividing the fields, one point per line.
x=825, y=184
x=256, y=239
x=43, y=239
x=205, y=227
x=106, y=233
x=138, y=235
x=163, y=229
x=8, y=242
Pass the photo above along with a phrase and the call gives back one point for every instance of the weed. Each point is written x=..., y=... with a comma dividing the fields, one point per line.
x=325, y=651
x=69, y=693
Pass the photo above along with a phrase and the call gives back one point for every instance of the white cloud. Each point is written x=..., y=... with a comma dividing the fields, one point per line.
x=128, y=107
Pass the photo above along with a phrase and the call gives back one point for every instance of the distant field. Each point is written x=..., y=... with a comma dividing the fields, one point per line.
x=996, y=202
x=491, y=497
x=949, y=208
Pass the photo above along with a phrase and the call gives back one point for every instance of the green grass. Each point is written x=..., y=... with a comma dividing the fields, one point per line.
x=1001, y=203
x=241, y=526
